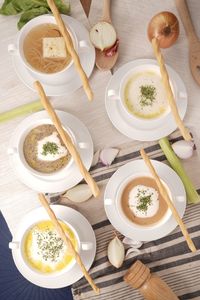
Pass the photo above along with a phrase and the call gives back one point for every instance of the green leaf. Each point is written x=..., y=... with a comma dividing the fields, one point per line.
x=30, y=14
x=8, y=8
x=31, y=9
x=25, y=5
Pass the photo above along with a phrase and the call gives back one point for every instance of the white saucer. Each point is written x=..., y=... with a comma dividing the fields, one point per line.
x=85, y=233
x=48, y=183
x=142, y=131
x=168, y=176
x=87, y=58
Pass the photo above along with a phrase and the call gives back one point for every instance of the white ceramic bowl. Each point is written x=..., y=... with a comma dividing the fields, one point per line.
x=121, y=213
x=19, y=246
x=17, y=49
x=118, y=95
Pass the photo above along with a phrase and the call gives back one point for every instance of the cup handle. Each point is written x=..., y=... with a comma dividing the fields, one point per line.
x=12, y=151
x=13, y=245
x=12, y=49
x=84, y=44
x=112, y=95
x=85, y=246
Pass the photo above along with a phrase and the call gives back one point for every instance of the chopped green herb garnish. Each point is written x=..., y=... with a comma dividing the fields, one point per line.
x=49, y=245
x=49, y=147
x=144, y=202
x=147, y=95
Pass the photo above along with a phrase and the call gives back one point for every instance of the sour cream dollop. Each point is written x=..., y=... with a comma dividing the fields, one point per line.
x=47, y=247
x=60, y=152
x=141, y=197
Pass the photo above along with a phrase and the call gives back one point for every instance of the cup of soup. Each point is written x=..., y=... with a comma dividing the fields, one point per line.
x=44, y=252
x=139, y=202
x=141, y=94
x=42, y=49
x=39, y=149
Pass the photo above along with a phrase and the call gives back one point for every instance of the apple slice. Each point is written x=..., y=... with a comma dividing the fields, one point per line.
x=103, y=35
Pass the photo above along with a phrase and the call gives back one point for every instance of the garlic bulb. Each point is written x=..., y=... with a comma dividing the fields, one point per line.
x=108, y=155
x=79, y=193
x=95, y=158
x=183, y=149
x=116, y=252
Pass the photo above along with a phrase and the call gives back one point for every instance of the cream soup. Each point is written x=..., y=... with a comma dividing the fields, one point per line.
x=142, y=203
x=145, y=96
x=44, y=151
x=45, y=251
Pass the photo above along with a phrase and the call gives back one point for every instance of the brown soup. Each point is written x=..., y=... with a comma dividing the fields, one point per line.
x=31, y=151
x=148, y=182
x=33, y=49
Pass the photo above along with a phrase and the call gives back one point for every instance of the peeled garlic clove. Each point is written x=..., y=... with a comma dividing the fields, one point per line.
x=132, y=250
x=95, y=158
x=131, y=242
x=116, y=252
x=103, y=35
x=183, y=149
x=79, y=193
x=108, y=155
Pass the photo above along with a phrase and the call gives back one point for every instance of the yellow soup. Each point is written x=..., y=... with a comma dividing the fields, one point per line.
x=44, y=249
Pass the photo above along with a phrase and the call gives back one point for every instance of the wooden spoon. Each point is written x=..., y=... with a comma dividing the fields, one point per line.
x=105, y=63
x=194, y=43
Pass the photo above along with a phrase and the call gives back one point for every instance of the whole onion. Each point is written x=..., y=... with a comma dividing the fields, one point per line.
x=165, y=28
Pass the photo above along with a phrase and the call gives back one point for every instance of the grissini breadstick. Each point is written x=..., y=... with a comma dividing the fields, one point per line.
x=166, y=197
x=170, y=97
x=67, y=241
x=70, y=48
x=66, y=139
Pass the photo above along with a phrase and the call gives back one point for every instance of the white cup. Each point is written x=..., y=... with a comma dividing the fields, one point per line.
x=19, y=153
x=123, y=217
x=17, y=49
x=118, y=94
x=19, y=246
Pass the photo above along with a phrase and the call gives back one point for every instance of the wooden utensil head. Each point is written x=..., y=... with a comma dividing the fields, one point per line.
x=195, y=60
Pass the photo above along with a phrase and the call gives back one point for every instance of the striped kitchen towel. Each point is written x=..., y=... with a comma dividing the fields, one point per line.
x=169, y=257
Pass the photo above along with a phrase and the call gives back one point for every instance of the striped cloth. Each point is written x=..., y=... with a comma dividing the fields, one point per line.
x=169, y=257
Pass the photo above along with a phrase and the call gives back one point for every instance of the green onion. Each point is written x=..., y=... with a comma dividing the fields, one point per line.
x=20, y=111
x=192, y=195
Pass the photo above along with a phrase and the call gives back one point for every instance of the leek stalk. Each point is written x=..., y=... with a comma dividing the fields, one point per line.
x=20, y=111
x=174, y=161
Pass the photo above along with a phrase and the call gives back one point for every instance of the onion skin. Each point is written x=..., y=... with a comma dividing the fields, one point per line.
x=165, y=28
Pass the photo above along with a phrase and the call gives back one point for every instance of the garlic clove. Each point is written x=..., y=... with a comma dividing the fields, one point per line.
x=79, y=193
x=132, y=243
x=183, y=149
x=132, y=250
x=95, y=158
x=103, y=35
x=116, y=252
x=108, y=155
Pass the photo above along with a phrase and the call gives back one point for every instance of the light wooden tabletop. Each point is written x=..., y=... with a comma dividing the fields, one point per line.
x=130, y=18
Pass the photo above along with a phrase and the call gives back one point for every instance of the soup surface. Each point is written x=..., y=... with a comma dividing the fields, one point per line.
x=44, y=49
x=44, y=151
x=144, y=95
x=45, y=251
x=142, y=203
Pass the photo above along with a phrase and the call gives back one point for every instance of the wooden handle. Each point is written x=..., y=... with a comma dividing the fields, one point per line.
x=106, y=11
x=170, y=96
x=70, y=47
x=186, y=19
x=166, y=197
x=66, y=139
x=67, y=241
